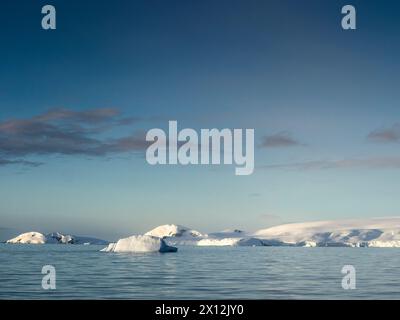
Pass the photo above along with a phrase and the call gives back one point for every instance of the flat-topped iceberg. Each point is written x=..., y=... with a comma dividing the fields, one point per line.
x=140, y=243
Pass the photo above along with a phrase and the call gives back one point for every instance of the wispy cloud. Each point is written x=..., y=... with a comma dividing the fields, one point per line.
x=280, y=139
x=4, y=162
x=368, y=163
x=93, y=116
x=386, y=135
x=66, y=132
x=255, y=194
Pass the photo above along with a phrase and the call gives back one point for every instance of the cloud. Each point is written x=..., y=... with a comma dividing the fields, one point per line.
x=135, y=142
x=93, y=116
x=4, y=162
x=281, y=139
x=387, y=135
x=366, y=163
x=66, y=132
x=255, y=194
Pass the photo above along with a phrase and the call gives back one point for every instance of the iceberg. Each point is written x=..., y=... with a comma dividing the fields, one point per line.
x=34, y=237
x=140, y=243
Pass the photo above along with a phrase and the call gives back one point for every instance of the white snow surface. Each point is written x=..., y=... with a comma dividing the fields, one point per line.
x=173, y=230
x=374, y=232
x=34, y=237
x=378, y=232
x=180, y=235
x=140, y=243
x=245, y=242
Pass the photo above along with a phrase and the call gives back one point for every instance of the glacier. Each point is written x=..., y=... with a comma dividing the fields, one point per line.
x=374, y=232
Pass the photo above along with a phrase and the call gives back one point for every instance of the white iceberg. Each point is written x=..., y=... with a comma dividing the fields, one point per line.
x=140, y=243
x=32, y=237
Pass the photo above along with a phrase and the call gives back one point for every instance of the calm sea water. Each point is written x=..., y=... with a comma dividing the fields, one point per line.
x=82, y=272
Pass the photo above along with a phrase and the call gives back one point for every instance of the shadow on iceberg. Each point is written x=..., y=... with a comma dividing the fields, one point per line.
x=140, y=243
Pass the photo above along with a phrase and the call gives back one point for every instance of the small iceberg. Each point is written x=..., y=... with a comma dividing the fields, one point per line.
x=32, y=237
x=140, y=243
x=35, y=237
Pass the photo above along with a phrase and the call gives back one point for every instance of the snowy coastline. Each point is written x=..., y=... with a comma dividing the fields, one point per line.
x=380, y=232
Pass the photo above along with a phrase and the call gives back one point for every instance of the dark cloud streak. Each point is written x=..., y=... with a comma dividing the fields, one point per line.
x=66, y=132
x=281, y=139
x=4, y=162
x=366, y=163
x=386, y=135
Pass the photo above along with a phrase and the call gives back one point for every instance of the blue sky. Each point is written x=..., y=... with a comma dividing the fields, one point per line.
x=324, y=104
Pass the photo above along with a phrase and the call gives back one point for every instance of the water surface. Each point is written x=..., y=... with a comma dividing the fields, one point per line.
x=83, y=272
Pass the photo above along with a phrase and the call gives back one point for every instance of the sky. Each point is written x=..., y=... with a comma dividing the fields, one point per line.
x=76, y=102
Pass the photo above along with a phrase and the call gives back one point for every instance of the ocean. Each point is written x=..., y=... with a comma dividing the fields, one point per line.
x=83, y=272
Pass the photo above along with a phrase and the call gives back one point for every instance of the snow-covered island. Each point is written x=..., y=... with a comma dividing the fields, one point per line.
x=34, y=237
x=379, y=232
